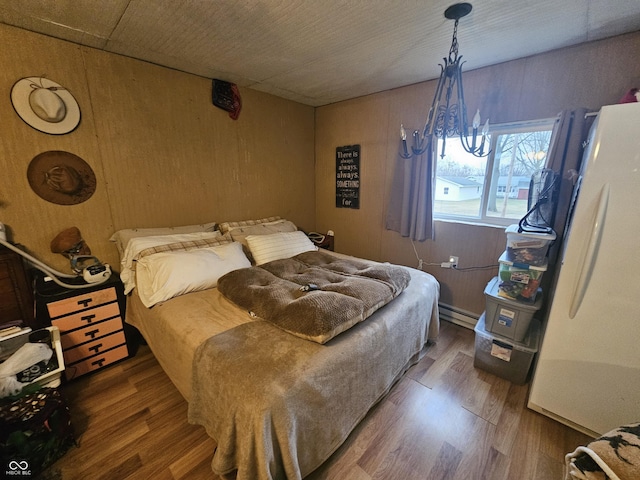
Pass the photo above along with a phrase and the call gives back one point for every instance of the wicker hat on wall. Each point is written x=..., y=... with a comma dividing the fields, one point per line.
x=45, y=105
x=61, y=177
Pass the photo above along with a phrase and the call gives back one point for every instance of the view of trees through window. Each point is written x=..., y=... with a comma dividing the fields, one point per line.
x=494, y=188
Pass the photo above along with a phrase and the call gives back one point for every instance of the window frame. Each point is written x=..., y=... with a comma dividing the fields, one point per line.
x=494, y=132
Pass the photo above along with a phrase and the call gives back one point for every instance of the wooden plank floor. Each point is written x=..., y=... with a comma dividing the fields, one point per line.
x=443, y=420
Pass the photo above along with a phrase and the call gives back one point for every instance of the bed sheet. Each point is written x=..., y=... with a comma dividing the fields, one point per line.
x=174, y=329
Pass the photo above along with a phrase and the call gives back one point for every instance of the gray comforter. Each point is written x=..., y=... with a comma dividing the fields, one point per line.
x=279, y=405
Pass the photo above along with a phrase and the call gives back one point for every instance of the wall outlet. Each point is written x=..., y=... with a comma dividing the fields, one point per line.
x=453, y=261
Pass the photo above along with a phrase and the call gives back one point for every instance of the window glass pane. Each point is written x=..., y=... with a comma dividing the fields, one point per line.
x=493, y=189
x=459, y=181
x=516, y=157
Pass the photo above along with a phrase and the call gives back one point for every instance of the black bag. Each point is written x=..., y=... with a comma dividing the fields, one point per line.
x=35, y=431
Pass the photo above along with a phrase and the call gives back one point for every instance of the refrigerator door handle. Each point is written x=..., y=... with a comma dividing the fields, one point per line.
x=590, y=257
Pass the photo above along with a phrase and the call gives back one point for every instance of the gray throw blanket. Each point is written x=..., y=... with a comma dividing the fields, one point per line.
x=278, y=405
x=314, y=295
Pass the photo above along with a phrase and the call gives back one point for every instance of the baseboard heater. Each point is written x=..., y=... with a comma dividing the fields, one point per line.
x=457, y=315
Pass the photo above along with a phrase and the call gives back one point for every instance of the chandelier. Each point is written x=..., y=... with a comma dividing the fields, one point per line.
x=448, y=116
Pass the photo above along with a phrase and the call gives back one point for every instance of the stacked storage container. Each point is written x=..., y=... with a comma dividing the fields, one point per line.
x=507, y=335
x=504, y=357
x=523, y=264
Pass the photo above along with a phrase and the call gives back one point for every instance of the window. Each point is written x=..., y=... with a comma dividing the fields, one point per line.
x=492, y=189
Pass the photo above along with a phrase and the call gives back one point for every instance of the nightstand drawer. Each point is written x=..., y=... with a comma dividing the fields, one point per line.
x=81, y=302
x=94, y=363
x=86, y=318
x=85, y=350
x=91, y=332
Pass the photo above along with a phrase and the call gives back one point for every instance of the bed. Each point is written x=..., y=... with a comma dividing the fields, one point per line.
x=276, y=404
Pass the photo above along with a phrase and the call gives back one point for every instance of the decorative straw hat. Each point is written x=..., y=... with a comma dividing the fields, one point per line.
x=45, y=105
x=61, y=177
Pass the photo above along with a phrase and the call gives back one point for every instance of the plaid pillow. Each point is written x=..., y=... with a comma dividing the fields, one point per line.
x=227, y=226
x=186, y=246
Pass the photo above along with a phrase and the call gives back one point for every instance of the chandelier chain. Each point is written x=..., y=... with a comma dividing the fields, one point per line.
x=453, y=51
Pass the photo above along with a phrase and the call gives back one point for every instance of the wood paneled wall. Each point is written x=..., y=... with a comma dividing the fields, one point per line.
x=162, y=153
x=589, y=75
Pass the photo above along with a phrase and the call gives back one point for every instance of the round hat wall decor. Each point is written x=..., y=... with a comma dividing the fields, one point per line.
x=45, y=105
x=61, y=177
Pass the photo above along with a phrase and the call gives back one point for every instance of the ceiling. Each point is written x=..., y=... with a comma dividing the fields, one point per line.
x=323, y=51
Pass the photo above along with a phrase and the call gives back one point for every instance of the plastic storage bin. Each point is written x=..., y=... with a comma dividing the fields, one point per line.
x=506, y=317
x=528, y=248
x=519, y=281
x=503, y=357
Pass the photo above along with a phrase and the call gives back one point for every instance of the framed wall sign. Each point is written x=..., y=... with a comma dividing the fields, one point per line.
x=348, y=176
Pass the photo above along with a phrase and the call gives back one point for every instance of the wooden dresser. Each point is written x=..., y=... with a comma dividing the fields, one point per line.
x=16, y=295
x=91, y=323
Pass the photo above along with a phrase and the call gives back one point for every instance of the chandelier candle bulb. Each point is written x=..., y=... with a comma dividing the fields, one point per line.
x=475, y=125
x=403, y=136
x=476, y=120
x=416, y=142
x=485, y=131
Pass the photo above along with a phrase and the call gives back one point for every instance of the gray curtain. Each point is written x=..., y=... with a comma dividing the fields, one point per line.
x=410, y=208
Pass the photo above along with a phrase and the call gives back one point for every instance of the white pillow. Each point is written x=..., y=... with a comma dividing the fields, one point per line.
x=266, y=248
x=162, y=276
x=121, y=237
x=137, y=244
x=239, y=234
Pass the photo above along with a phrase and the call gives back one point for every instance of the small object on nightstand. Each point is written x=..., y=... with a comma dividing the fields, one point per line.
x=322, y=241
x=96, y=273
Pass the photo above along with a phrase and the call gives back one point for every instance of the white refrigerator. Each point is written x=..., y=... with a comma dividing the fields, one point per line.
x=587, y=374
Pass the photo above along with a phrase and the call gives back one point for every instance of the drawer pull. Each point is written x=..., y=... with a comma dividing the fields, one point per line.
x=98, y=362
x=87, y=318
x=85, y=303
x=96, y=348
x=92, y=333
